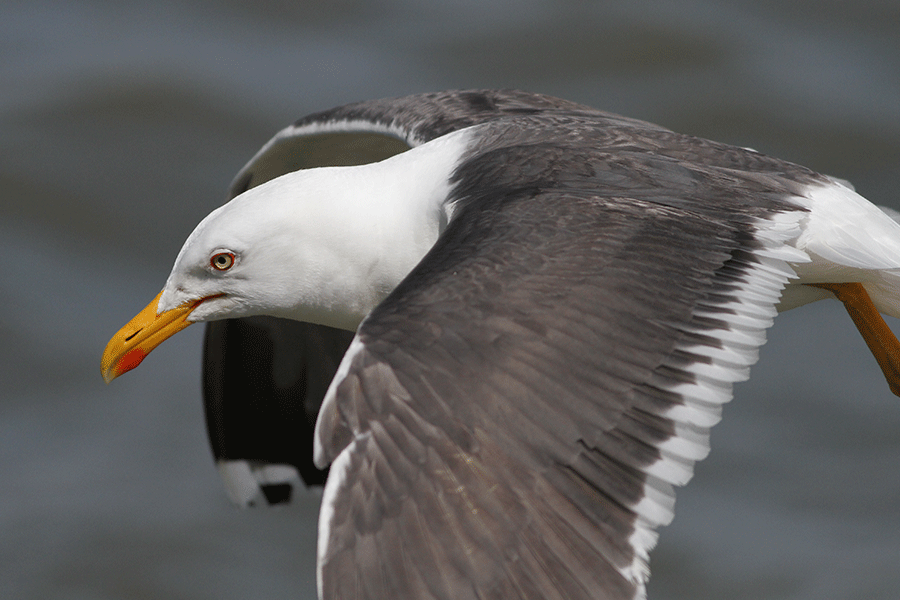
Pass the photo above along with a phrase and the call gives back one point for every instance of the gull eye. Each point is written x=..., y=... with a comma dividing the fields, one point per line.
x=222, y=261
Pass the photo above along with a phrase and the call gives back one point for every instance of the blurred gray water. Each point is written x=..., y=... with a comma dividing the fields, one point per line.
x=121, y=123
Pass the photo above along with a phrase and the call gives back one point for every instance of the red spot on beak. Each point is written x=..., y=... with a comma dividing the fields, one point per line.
x=131, y=359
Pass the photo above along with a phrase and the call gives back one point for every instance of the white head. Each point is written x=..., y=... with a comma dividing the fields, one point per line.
x=292, y=247
x=320, y=245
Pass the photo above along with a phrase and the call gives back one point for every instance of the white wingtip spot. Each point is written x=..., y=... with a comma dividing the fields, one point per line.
x=244, y=480
x=240, y=484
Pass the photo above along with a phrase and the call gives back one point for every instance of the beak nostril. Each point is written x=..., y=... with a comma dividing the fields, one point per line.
x=134, y=334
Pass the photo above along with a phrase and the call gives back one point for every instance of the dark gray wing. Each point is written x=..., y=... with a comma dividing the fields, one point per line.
x=259, y=413
x=510, y=421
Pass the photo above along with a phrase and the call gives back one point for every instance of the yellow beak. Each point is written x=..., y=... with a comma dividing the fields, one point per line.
x=142, y=334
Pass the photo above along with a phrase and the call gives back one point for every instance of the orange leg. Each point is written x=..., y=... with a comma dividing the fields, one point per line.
x=880, y=339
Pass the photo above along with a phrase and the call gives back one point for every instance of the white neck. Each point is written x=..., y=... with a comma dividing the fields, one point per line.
x=353, y=233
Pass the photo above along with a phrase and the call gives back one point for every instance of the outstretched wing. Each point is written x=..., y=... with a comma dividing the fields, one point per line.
x=264, y=378
x=511, y=420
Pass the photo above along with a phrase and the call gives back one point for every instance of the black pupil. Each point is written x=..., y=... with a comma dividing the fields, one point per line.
x=222, y=261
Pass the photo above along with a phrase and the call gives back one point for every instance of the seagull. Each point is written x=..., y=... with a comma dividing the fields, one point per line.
x=507, y=322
